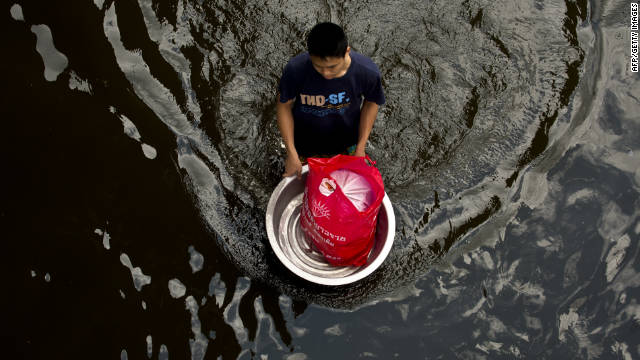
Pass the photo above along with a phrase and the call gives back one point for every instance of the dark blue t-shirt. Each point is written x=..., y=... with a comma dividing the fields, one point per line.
x=326, y=113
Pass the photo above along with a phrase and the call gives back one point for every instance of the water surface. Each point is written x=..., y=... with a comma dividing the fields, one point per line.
x=142, y=148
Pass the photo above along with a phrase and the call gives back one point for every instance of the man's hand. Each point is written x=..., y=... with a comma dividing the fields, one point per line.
x=285, y=124
x=359, y=151
x=293, y=166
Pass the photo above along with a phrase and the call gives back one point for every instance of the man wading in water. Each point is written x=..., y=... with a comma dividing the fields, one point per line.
x=320, y=108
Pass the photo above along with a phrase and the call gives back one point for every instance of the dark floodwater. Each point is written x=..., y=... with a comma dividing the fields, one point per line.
x=140, y=150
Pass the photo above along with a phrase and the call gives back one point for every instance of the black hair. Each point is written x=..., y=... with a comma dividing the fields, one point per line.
x=327, y=40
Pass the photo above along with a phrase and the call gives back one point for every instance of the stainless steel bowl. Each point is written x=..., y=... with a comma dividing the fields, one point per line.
x=300, y=256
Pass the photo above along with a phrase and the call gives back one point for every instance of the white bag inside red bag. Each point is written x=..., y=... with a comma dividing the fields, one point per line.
x=355, y=187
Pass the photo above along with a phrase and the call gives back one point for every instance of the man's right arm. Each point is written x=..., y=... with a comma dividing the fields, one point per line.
x=293, y=166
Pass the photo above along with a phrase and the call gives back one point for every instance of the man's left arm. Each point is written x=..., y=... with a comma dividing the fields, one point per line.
x=368, y=115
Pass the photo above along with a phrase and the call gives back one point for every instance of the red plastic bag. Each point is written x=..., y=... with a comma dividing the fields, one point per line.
x=342, y=227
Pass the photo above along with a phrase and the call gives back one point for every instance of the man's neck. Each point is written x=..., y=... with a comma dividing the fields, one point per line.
x=346, y=66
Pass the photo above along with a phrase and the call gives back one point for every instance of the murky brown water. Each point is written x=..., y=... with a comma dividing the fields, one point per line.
x=142, y=148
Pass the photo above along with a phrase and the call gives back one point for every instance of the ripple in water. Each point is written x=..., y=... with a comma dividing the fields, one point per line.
x=541, y=185
x=472, y=89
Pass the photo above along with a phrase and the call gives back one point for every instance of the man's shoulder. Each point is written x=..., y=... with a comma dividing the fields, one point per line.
x=298, y=63
x=365, y=63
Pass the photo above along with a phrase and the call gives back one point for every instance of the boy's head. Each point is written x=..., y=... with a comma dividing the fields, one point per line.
x=327, y=40
x=329, y=50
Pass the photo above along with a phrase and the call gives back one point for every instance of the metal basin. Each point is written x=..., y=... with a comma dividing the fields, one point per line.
x=300, y=256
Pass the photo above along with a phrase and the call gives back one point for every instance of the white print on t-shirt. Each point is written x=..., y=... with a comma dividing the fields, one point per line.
x=340, y=99
x=319, y=105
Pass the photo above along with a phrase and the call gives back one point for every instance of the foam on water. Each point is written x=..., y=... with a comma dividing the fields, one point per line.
x=196, y=260
x=231, y=313
x=99, y=3
x=16, y=12
x=77, y=83
x=106, y=238
x=217, y=289
x=149, y=151
x=130, y=128
x=616, y=256
x=199, y=342
x=149, y=341
x=163, y=354
x=131, y=131
x=139, y=278
x=177, y=288
x=55, y=62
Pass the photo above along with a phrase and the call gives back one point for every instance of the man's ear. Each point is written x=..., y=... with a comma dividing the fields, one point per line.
x=348, y=50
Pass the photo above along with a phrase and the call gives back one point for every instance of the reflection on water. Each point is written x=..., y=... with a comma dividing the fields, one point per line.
x=54, y=61
x=147, y=150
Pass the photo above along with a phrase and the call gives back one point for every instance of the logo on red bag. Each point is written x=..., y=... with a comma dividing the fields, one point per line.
x=319, y=210
x=327, y=187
